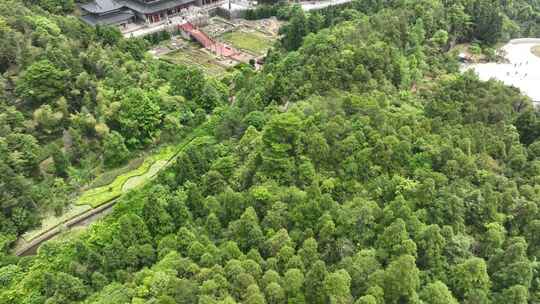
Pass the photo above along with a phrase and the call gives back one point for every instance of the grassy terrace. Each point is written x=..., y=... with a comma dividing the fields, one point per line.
x=109, y=176
x=120, y=181
x=194, y=56
x=101, y=195
x=253, y=42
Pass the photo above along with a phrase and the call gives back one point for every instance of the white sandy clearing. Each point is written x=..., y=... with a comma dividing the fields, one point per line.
x=522, y=71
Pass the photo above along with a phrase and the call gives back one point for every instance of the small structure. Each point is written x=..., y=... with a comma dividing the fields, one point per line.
x=124, y=12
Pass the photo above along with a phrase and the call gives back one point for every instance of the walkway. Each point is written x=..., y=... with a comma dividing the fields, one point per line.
x=218, y=48
x=31, y=247
x=87, y=217
x=317, y=5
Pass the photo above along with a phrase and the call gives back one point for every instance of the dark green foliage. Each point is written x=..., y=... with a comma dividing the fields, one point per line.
x=61, y=163
x=295, y=30
x=158, y=37
x=265, y=10
x=41, y=82
x=108, y=34
x=75, y=95
x=358, y=168
x=115, y=150
x=54, y=6
x=487, y=18
x=135, y=46
x=190, y=83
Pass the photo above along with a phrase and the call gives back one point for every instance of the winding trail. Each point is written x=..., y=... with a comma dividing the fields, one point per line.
x=88, y=217
x=83, y=219
x=135, y=181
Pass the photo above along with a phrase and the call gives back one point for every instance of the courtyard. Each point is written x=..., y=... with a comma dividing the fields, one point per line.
x=192, y=54
x=250, y=40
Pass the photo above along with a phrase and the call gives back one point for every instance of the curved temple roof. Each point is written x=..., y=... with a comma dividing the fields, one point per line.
x=108, y=19
x=102, y=6
x=105, y=6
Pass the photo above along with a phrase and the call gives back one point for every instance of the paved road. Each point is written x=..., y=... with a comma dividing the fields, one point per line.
x=316, y=5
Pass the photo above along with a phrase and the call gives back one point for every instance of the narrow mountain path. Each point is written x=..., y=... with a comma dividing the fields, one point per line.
x=87, y=217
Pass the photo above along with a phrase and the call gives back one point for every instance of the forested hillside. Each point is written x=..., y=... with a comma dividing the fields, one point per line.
x=357, y=167
x=73, y=100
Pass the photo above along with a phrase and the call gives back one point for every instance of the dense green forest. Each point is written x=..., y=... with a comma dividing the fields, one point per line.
x=79, y=99
x=358, y=166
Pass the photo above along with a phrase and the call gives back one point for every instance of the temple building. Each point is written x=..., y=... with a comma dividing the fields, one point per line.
x=123, y=12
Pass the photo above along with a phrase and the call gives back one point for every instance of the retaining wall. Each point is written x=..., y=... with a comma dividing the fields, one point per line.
x=32, y=245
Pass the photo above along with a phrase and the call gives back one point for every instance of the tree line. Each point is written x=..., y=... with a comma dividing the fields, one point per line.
x=75, y=101
x=359, y=166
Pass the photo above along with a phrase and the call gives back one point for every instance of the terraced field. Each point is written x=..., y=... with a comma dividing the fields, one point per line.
x=251, y=41
x=195, y=56
x=99, y=196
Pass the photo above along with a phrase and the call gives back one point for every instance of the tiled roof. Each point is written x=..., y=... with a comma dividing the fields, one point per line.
x=156, y=6
x=104, y=6
x=108, y=19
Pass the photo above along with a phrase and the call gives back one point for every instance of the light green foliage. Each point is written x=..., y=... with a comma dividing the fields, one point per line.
x=116, y=152
x=337, y=286
x=47, y=119
x=246, y=231
x=254, y=42
x=56, y=6
x=139, y=117
x=469, y=277
x=357, y=166
x=401, y=280
x=42, y=82
x=437, y=293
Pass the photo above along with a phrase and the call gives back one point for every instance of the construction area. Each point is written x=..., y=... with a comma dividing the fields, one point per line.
x=216, y=44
